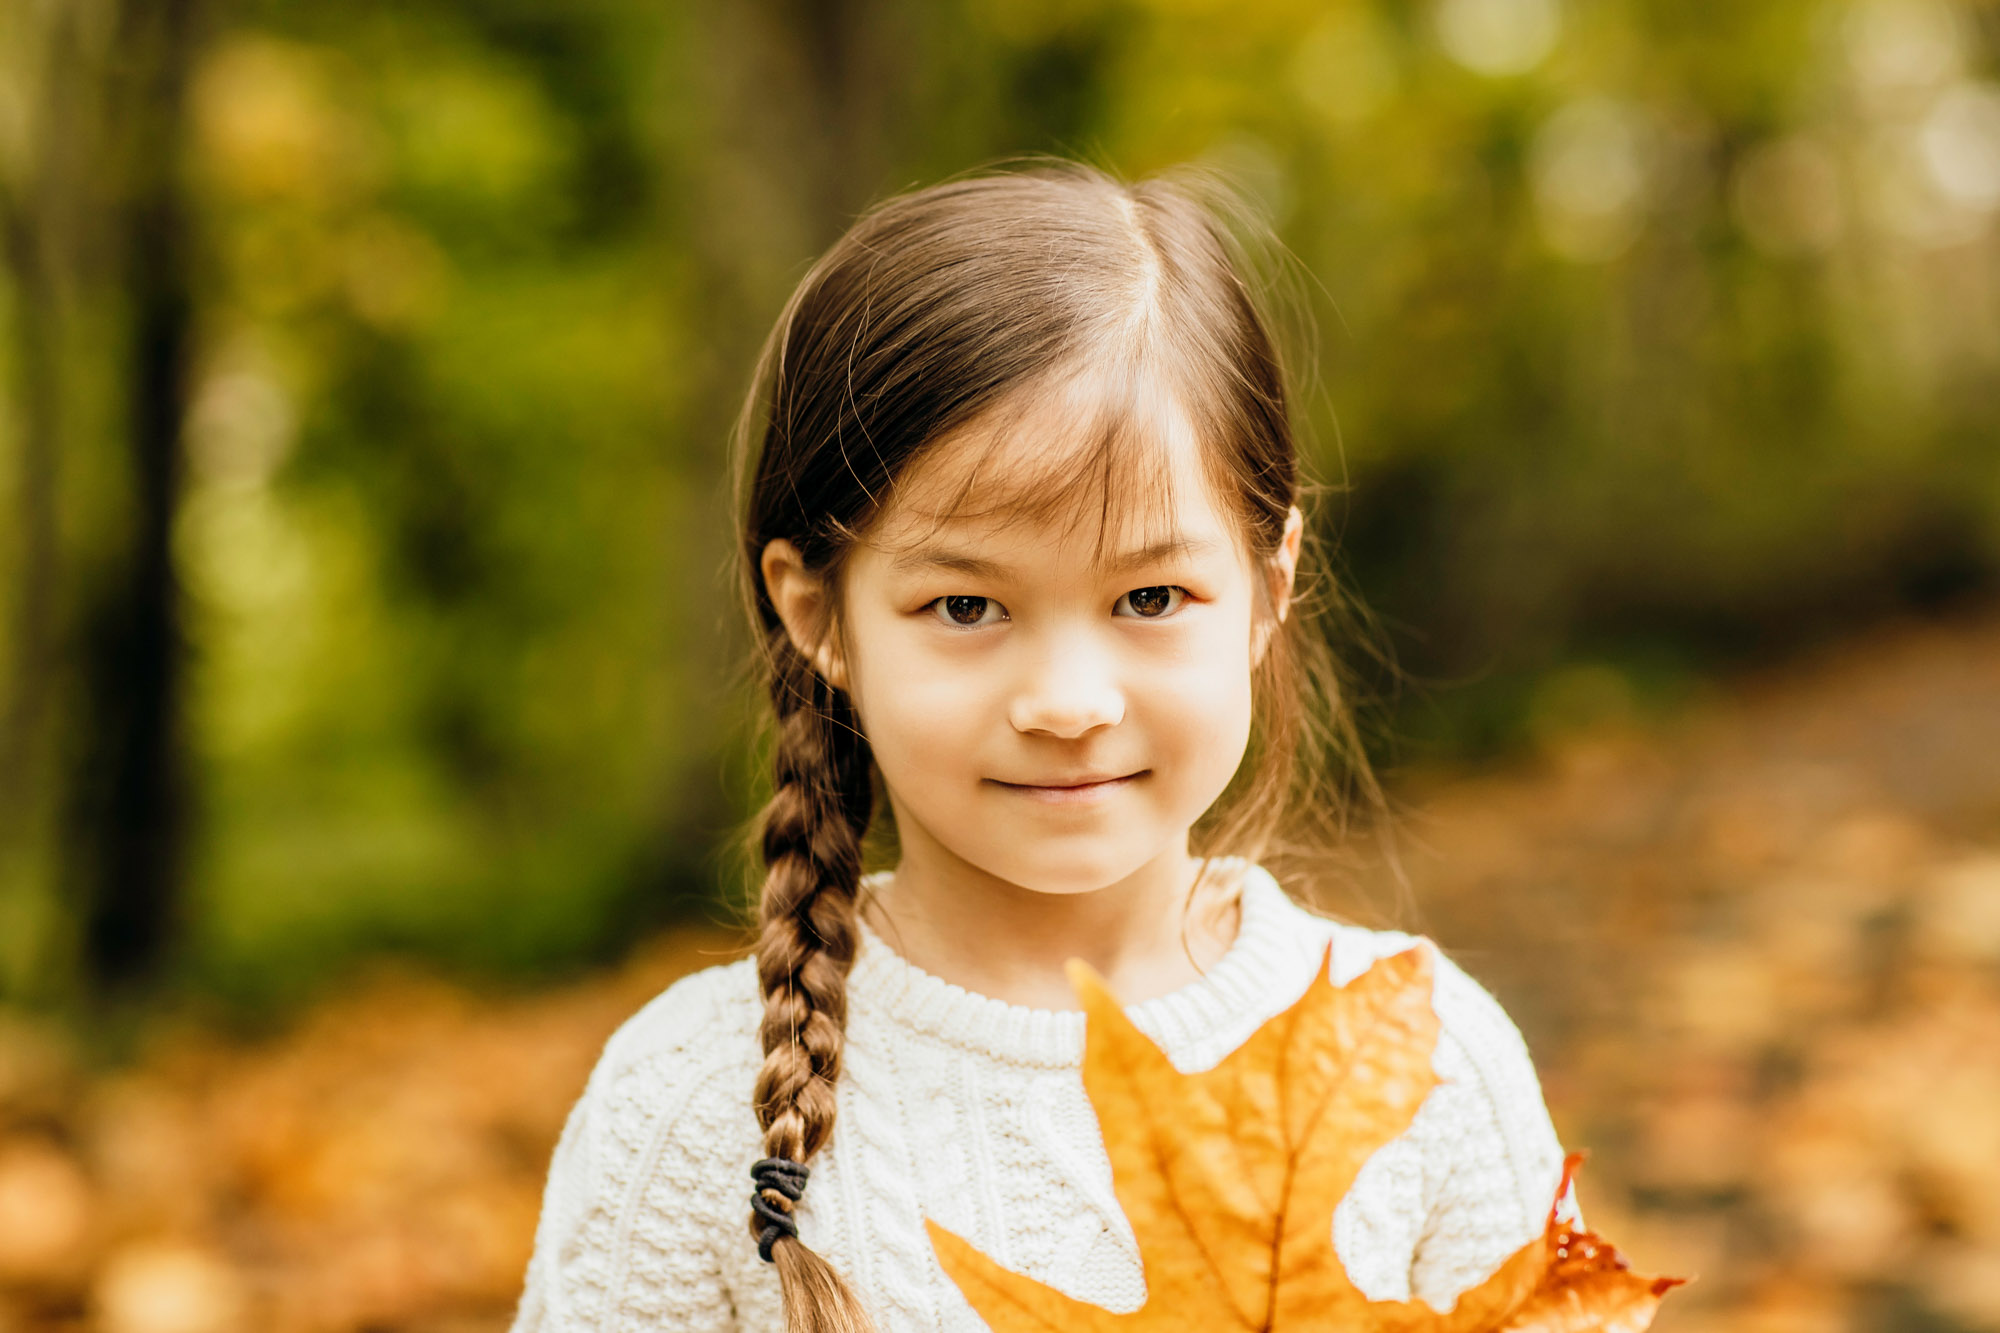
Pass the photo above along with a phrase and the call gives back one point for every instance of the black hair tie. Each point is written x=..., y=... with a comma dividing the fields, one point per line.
x=783, y=1176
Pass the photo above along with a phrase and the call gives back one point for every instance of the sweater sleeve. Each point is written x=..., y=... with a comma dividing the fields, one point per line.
x=1490, y=1179
x=637, y=1187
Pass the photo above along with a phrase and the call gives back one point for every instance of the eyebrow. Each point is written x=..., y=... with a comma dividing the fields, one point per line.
x=932, y=557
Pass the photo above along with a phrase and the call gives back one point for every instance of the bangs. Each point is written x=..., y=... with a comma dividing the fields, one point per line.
x=1089, y=452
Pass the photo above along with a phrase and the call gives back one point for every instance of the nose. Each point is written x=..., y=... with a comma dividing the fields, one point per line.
x=1068, y=688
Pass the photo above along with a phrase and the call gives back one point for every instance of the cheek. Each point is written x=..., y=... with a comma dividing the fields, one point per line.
x=1199, y=709
x=922, y=716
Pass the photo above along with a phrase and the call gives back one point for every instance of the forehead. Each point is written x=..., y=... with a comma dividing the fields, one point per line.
x=1088, y=469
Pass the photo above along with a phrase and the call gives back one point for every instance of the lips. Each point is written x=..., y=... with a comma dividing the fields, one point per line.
x=1070, y=783
x=1074, y=791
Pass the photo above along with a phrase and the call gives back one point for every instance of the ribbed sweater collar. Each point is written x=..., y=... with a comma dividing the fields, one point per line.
x=1258, y=964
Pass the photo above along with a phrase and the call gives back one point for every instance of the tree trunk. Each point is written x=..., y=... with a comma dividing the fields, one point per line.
x=132, y=790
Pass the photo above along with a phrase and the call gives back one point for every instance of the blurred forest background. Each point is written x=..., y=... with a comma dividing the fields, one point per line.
x=364, y=377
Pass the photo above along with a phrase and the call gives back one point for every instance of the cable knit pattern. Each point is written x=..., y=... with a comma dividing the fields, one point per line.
x=971, y=1111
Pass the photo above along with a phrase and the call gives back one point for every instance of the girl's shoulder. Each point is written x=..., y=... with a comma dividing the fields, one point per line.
x=1478, y=1041
x=1468, y=1014
x=651, y=1166
x=1496, y=1093
x=1467, y=1011
x=706, y=1023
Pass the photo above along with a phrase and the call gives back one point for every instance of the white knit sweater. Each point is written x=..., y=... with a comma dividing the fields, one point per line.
x=972, y=1111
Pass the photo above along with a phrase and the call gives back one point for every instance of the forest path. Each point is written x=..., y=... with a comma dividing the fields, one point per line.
x=1756, y=953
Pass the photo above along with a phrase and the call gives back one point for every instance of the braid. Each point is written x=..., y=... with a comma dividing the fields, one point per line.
x=812, y=832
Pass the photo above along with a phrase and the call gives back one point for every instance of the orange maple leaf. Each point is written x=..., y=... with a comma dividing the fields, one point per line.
x=1229, y=1178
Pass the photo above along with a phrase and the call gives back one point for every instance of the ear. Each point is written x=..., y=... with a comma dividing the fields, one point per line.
x=802, y=601
x=1282, y=571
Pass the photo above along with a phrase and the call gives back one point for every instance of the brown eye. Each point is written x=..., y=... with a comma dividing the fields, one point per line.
x=966, y=612
x=1155, y=603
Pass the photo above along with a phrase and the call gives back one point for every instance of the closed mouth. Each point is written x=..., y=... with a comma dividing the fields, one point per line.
x=1077, y=785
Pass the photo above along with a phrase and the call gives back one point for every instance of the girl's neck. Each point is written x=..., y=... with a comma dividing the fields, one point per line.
x=1148, y=934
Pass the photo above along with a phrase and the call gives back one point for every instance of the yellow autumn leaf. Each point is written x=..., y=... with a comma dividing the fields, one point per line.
x=1229, y=1178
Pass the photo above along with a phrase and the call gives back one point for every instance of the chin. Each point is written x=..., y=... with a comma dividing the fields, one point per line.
x=1068, y=869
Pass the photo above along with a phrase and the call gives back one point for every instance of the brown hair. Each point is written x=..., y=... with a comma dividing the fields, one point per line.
x=938, y=311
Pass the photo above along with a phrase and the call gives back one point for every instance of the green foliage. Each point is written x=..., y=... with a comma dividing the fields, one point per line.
x=1653, y=336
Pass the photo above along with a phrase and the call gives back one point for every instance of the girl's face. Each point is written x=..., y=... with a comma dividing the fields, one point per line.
x=1046, y=720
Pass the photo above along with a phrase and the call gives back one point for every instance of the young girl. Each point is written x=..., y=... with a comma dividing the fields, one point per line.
x=1020, y=544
